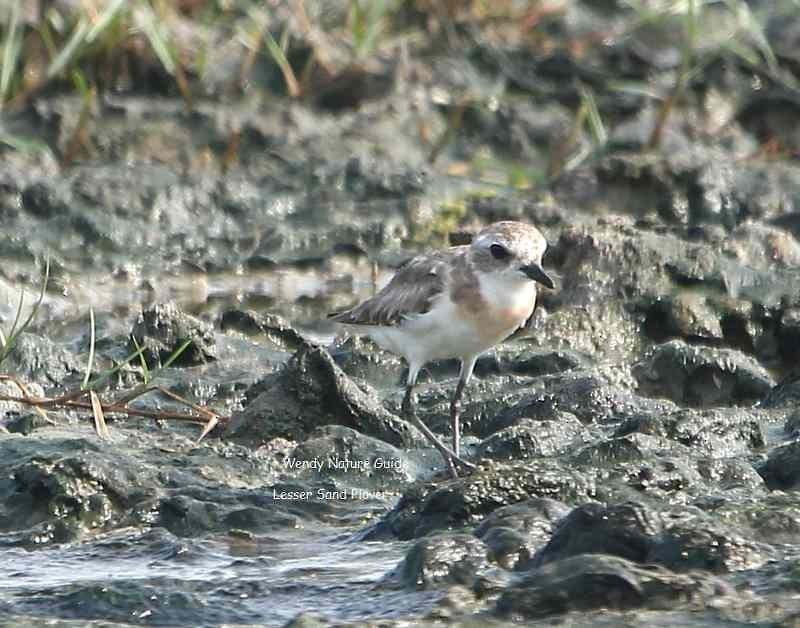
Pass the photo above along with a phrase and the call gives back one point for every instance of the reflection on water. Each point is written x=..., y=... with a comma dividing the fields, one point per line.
x=154, y=578
x=303, y=296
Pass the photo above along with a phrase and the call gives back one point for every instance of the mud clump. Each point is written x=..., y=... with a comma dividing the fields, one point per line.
x=312, y=391
x=163, y=329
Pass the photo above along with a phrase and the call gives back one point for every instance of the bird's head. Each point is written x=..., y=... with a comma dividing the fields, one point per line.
x=512, y=249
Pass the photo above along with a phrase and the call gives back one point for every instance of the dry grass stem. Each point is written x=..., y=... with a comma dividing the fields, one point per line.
x=100, y=426
x=72, y=400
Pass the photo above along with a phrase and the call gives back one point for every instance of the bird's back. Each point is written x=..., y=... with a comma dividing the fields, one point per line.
x=411, y=292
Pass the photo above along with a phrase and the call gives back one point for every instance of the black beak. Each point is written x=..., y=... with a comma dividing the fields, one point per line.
x=536, y=272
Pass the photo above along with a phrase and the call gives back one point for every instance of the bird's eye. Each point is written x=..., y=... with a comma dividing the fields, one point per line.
x=499, y=252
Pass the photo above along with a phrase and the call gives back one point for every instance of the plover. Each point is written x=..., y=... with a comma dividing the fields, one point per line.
x=455, y=303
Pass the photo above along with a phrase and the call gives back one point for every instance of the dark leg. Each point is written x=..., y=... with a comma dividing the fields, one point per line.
x=409, y=410
x=450, y=458
x=455, y=405
x=455, y=411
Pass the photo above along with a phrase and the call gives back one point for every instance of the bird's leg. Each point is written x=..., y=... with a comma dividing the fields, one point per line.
x=409, y=405
x=467, y=366
x=410, y=412
x=455, y=411
x=450, y=458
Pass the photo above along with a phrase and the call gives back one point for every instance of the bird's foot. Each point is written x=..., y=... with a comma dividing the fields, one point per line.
x=454, y=463
x=467, y=465
x=451, y=460
x=451, y=467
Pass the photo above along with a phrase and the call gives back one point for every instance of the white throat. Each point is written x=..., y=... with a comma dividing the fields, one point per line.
x=509, y=289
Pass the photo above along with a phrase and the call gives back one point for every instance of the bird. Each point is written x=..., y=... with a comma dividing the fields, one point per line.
x=455, y=303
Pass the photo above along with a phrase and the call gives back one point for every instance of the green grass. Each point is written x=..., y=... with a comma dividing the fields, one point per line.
x=90, y=36
x=81, y=40
x=368, y=21
x=108, y=374
x=710, y=29
x=84, y=46
x=148, y=375
x=90, y=360
x=8, y=340
x=142, y=360
x=12, y=44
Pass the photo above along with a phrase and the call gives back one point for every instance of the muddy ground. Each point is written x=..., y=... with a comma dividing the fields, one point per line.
x=637, y=448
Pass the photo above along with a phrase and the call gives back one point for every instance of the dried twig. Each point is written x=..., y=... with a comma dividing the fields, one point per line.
x=212, y=423
x=72, y=400
x=24, y=390
x=142, y=390
x=99, y=418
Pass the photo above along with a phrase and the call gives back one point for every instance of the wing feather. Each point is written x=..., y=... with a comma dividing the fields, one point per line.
x=410, y=292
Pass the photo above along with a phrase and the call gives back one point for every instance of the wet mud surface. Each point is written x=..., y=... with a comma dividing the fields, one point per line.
x=638, y=461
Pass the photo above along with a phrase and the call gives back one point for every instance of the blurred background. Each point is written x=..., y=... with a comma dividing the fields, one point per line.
x=290, y=154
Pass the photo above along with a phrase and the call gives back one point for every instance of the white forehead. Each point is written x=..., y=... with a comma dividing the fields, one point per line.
x=486, y=239
x=518, y=237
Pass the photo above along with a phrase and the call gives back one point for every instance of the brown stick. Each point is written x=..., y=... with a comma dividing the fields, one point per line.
x=25, y=392
x=69, y=401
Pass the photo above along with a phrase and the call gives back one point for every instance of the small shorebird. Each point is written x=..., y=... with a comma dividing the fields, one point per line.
x=455, y=303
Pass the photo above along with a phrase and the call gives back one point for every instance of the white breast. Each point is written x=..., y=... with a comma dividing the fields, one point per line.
x=513, y=293
x=510, y=300
x=438, y=334
x=453, y=330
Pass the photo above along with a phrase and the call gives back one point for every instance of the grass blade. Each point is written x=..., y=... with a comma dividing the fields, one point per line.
x=756, y=30
x=41, y=295
x=105, y=18
x=176, y=354
x=13, y=331
x=142, y=361
x=11, y=48
x=149, y=23
x=280, y=59
x=147, y=20
x=10, y=341
x=100, y=379
x=374, y=24
x=594, y=118
x=70, y=50
x=90, y=361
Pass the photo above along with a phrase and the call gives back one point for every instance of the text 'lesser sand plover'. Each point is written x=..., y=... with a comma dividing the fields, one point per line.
x=455, y=303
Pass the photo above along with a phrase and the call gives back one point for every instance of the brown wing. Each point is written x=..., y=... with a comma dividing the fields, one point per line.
x=411, y=291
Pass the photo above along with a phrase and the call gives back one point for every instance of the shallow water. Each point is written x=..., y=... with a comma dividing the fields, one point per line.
x=155, y=578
